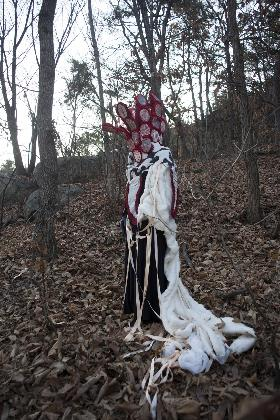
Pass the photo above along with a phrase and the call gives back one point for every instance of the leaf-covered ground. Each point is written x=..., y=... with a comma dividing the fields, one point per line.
x=77, y=371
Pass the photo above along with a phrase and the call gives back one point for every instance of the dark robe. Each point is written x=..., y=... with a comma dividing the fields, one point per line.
x=151, y=304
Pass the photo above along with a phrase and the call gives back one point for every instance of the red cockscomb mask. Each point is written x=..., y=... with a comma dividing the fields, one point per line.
x=144, y=124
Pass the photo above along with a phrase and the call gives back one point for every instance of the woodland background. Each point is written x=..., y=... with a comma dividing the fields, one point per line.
x=216, y=66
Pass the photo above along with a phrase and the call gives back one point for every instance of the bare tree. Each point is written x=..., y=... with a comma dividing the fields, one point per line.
x=8, y=69
x=17, y=17
x=175, y=114
x=151, y=19
x=77, y=96
x=46, y=134
x=102, y=109
x=64, y=40
x=253, y=190
x=33, y=141
x=276, y=90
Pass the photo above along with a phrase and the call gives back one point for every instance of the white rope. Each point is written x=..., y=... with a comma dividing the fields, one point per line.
x=139, y=307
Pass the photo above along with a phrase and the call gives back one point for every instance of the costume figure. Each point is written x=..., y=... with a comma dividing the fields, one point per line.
x=154, y=289
x=146, y=245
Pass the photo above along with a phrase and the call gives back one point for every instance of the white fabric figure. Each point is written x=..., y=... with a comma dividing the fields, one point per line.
x=196, y=337
x=198, y=330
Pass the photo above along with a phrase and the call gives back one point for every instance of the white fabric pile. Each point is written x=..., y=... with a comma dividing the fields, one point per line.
x=196, y=336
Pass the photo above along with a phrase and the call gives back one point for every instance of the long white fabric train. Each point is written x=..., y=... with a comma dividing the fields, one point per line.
x=196, y=336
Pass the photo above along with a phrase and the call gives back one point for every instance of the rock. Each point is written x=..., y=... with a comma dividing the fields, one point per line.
x=224, y=272
x=8, y=220
x=32, y=204
x=65, y=193
x=15, y=188
x=73, y=169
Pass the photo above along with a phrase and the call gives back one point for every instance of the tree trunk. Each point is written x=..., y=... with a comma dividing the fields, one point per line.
x=33, y=142
x=179, y=127
x=12, y=124
x=253, y=190
x=185, y=153
x=34, y=136
x=45, y=228
x=147, y=21
x=276, y=91
x=229, y=79
x=207, y=89
x=177, y=118
x=73, y=145
x=197, y=137
x=202, y=126
x=107, y=148
x=200, y=93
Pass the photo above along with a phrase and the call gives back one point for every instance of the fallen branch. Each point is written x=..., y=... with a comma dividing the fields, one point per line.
x=233, y=293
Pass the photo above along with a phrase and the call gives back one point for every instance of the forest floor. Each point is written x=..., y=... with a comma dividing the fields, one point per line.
x=77, y=370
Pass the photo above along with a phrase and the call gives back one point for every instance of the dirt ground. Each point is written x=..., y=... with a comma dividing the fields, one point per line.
x=77, y=370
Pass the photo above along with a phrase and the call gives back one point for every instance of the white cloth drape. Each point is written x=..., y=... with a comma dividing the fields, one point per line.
x=199, y=337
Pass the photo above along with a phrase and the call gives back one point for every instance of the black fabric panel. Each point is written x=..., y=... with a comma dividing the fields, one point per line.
x=151, y=300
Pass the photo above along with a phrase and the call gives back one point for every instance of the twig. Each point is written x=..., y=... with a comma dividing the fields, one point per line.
x=267, y=216
x=234, y=293
x=41, y=269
